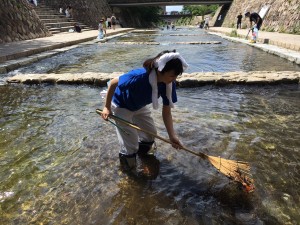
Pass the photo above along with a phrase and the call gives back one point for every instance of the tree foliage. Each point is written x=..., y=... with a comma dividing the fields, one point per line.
x=200, y=10
x=147, y=15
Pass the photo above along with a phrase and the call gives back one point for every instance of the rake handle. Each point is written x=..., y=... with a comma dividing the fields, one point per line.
x=200, y=154
x=248, y=34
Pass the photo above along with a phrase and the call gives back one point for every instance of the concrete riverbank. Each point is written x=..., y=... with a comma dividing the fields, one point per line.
x=185, y=80
x=17, y=54
x=283, y=45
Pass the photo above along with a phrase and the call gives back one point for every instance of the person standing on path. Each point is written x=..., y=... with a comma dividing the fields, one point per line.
x=128, y=97
x=206, y=23
x=69, y=11
x=113, y=21
x=239, y=21
x=100, y=29
x=104, y=26
x=108, y=22
x=257, y=20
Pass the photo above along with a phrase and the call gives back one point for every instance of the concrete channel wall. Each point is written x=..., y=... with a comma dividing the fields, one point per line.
x=19, y=21
x=283, y=16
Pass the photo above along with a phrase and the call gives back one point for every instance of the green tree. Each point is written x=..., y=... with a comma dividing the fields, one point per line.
x=200, y=10
x=147, y=15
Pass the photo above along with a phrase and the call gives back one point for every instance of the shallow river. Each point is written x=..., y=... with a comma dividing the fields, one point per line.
x=109, y=57
x=59, y=161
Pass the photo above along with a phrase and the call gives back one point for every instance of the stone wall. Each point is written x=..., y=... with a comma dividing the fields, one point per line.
x=87, y=11
x=19, y=22
x=283, y=15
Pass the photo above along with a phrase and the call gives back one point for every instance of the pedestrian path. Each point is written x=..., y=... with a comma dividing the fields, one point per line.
x=283, y=45
x=16, y=54
x=288, y=41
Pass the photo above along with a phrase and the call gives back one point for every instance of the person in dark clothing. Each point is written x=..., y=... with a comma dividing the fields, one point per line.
x=257, y=20
x=254, y=17
x=77, y=28
x=239, y=21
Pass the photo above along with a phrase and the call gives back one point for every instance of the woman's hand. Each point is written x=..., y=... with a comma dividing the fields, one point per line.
x=175, y=142
x=109, y=95
x=105, y=113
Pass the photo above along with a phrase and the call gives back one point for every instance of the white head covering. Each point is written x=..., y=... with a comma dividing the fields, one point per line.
x=162, y=61
x=160, y=64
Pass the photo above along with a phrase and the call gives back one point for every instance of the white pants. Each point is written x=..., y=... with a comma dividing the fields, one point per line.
x=130, y=142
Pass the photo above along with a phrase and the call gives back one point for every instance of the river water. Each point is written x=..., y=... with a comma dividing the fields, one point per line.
x=59, y=161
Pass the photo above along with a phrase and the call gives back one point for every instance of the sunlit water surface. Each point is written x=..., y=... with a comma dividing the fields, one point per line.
x=110, y=57
x=59, y=160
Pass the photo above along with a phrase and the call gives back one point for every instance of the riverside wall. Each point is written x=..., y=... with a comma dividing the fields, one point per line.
x=283, y=15
x=19, y=22
x=87, y=11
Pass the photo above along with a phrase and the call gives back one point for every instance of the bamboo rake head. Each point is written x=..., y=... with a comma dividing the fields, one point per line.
x=235, y=170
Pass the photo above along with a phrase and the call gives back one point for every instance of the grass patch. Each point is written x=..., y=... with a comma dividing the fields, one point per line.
x=233, y=33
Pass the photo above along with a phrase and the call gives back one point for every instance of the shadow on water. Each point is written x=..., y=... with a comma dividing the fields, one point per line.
x=175, y=198
x=59, y=162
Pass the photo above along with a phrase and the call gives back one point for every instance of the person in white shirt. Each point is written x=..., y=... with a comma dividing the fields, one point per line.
x=206, y=24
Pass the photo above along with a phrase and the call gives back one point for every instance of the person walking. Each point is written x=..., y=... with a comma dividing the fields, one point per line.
x=239, y=21
x=257, y=20
x=128, y=97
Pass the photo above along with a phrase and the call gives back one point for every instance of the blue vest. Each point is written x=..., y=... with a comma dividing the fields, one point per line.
x=135, y=92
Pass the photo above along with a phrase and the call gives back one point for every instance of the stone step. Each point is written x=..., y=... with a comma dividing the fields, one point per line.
x=55, y=31
x=45, y=10
x=66, y=29
x=52, y=16
x=69, y=27
x=65, y=32
x=50, y=13
x=57, y=20
x=60, y=29
x=60, y=24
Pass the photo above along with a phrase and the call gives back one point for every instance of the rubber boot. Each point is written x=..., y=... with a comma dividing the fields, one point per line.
x=148, y=163
x=145, y=148
x=127, y=162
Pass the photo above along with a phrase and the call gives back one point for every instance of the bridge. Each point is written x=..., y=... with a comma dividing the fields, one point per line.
x=175, y=17
x=127, y=3
x=166, y=16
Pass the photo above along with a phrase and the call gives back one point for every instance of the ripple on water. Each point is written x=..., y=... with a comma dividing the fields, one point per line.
x=59, y=159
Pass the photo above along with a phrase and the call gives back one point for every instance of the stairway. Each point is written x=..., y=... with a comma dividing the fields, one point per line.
x=56, y=22
x=223, y=12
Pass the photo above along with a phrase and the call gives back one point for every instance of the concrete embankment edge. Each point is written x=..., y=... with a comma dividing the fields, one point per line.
x=293, y=56
x=13, y=61
x=185, y=80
